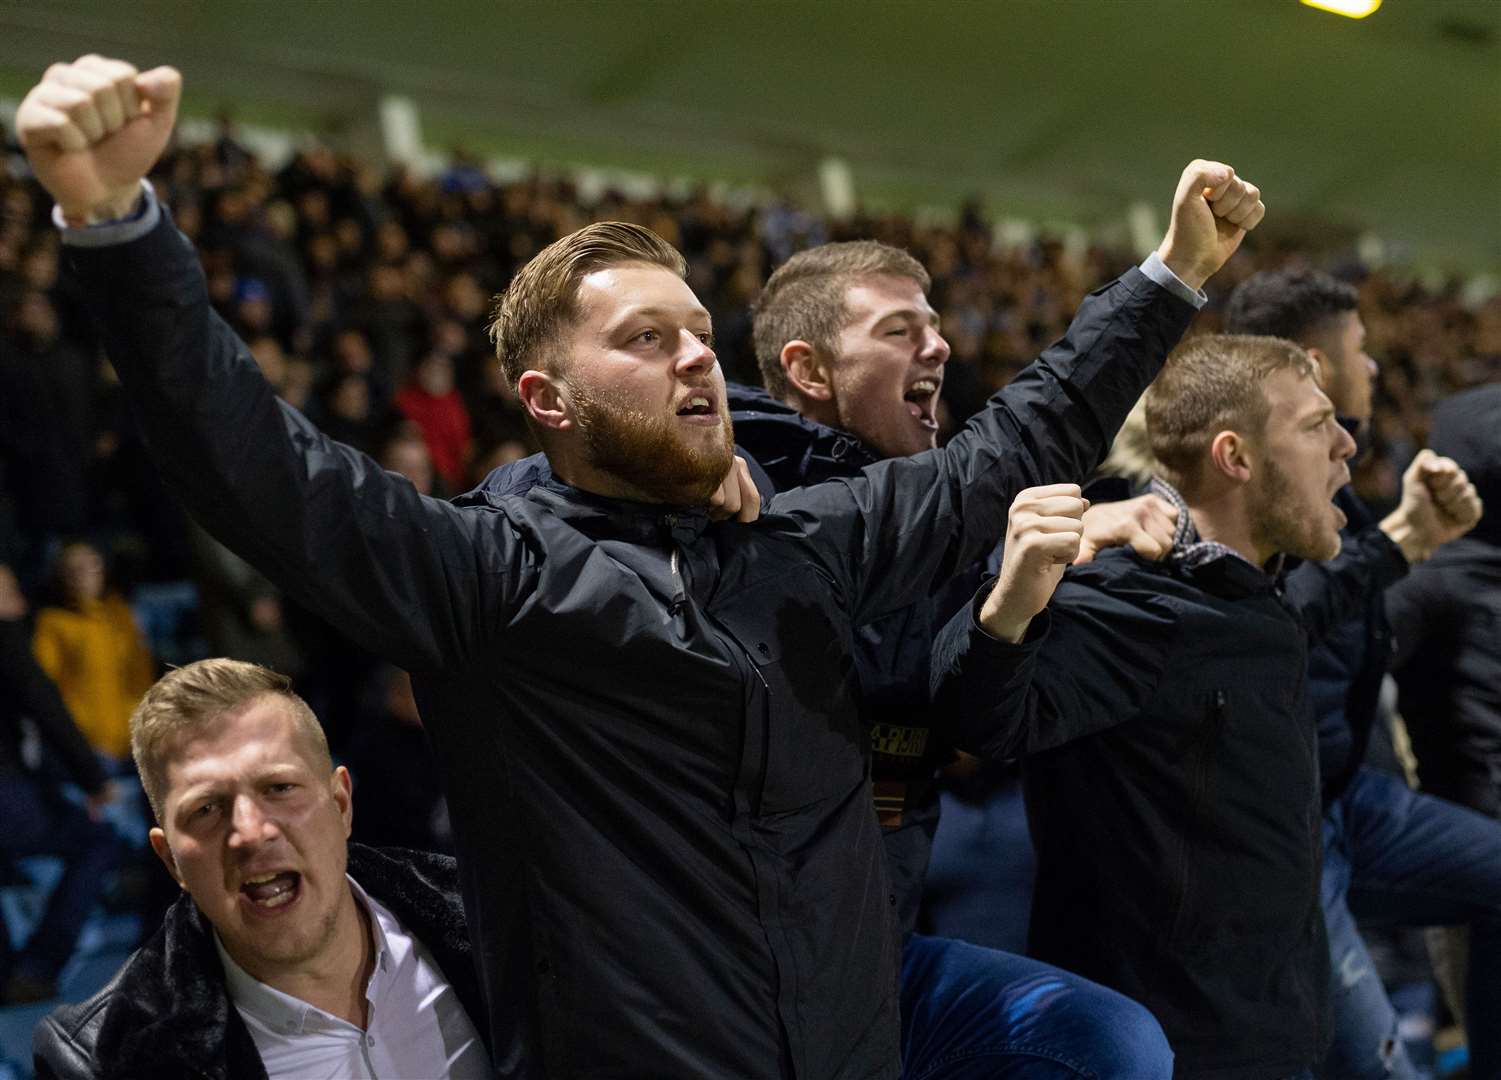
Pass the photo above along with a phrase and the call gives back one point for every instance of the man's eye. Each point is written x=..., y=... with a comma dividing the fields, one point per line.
x=648, y=337
x=900, y=331
x=706, y=337
x=282, y=789
x=203, y=811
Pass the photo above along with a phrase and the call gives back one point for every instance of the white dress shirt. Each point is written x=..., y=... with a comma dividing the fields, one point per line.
x=418, y=1030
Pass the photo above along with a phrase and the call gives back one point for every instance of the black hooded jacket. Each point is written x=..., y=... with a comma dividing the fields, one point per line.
x=167, y=1012
x=646, y=724
x=1446, y=620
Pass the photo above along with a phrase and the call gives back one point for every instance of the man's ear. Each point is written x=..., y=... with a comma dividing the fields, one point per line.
x=1320, y=359
x=1230, y=455
x=806, y=372
x=545, y=400
x=159, y=845
x=343, y=793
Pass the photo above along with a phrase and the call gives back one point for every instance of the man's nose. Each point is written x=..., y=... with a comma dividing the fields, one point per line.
x=249, y=823
x=935, y=349
x=1345, y=445
x=696, y=355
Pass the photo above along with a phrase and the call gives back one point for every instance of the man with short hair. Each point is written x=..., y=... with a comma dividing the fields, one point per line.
x=848, y=384
x=338, y=960
x=645, y=719
x=1392, y=856
x=1177, y=826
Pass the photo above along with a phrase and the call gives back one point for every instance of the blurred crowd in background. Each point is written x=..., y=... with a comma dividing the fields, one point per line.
x=364, y=296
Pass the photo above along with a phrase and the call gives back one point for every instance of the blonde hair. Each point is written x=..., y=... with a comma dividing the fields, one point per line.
x=1131, y=454
x=1213, y=383
x=189, y=699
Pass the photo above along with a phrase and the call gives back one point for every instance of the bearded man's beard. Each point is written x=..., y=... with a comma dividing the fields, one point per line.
x=1280, y=525
x=648, y=454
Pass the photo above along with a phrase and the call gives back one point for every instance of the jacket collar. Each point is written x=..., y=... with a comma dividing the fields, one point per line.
x=794, y=450
x=169, y=1013
x=597, y=516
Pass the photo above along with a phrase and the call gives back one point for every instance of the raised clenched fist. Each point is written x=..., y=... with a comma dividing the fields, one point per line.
x=93, y=128
x=1043, y=534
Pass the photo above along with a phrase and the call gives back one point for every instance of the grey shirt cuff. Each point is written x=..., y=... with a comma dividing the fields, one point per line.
x=110, y=233
x=1153, y=267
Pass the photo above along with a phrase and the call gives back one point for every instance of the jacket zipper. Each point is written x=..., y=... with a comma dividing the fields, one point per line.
x=680, y=592
x=1198, y=799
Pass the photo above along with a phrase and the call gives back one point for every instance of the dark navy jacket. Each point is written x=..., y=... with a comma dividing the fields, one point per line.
x=1346, y=668
x=647, y=725
x=892, y=655
x=1446, y=620
x=1178, y=829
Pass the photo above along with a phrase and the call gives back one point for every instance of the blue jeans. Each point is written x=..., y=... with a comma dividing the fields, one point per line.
x=1395, y=857
x=970, y=1013
x=39, y=821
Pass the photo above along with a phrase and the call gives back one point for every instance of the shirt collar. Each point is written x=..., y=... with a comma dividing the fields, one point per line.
x=281, y=1011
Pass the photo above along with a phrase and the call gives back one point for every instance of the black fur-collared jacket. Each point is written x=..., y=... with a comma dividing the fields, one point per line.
x=167, y=1013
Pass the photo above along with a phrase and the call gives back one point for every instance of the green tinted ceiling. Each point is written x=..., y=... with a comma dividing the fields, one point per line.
x=1064, y=108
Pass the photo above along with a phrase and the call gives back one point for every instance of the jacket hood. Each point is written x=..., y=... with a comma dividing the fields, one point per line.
x=1467, y=428
x=794, y=450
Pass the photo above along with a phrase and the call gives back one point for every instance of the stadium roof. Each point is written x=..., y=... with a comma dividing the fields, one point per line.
x=1050, y=109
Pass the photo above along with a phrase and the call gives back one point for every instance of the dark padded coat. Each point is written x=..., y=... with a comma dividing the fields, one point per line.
x=1178, y=828
x=645, y=723
x=167, y=1013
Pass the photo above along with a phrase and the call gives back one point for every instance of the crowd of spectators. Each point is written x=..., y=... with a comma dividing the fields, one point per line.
x=364, y=296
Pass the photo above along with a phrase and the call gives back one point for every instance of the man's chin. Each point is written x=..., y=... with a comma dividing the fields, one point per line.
x=1319, y=548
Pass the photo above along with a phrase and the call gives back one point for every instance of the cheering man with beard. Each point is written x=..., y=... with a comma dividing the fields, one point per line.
x=645, y=720
x=1178, y=834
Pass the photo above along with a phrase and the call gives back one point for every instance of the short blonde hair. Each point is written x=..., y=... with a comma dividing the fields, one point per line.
x=1213, y=383
x=543, y=296
x=189, y=699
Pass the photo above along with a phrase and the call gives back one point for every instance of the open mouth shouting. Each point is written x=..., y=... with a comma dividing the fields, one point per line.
x=269, y=892
x=700, y=407
x=922, y=401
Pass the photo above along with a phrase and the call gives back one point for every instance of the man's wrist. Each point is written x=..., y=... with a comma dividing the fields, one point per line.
x=1400, y=531
x=998, y=624
x=119, y=206
x=1187, y=271
x=1158, y=271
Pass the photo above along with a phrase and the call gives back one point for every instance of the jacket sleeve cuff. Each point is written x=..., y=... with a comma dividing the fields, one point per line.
x=983, y=644
x=110, y=233
x=1391, y=564
x=1157, y=270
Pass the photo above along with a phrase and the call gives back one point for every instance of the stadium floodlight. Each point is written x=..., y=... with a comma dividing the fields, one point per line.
x=1351, y=9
